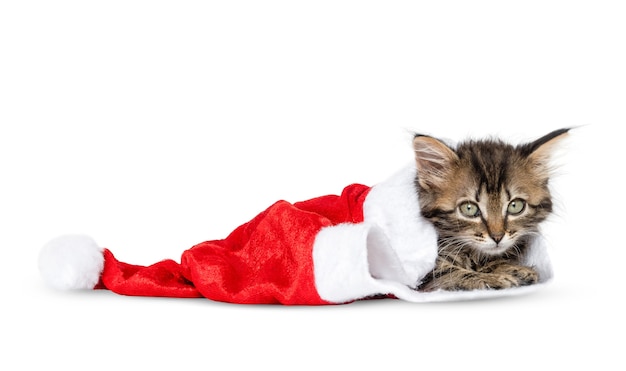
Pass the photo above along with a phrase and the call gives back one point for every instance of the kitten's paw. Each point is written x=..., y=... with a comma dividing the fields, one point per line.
x=474, y=281
x=504, y=277
x=501, y=277
x=527, y=276
x=490, y=281
x=517, y=275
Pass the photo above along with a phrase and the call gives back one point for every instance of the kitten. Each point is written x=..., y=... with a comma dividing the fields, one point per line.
x=486, y=199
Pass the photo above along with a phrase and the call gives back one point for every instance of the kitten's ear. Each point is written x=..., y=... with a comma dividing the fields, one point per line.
x=434, y=161
x=541, y=150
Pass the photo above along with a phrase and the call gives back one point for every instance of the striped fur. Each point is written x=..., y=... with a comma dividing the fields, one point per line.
x=486, y=198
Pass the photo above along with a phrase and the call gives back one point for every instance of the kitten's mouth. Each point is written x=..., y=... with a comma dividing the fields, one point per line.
x=493, y=248
x=497, y=250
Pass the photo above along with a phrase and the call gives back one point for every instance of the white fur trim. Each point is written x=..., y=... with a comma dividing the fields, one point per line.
x=407, y=294
x=71, y=262
x=393, y=206
x=389, y=252
x=351, y=259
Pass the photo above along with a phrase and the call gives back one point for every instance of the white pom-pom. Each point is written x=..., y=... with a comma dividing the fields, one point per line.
x=71, y=262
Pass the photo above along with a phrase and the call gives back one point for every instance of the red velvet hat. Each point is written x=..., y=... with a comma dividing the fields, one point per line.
x=366, y=242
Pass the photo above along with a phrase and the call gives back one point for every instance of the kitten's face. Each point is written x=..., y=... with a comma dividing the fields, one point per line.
x=486, y=195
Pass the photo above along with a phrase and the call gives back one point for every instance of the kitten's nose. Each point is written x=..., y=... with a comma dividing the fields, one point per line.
x=497, y=236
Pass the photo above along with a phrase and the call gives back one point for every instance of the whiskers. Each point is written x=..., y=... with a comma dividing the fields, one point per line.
x=454, y=249
x=453, y=244
x=521, y=242
x=453, y=254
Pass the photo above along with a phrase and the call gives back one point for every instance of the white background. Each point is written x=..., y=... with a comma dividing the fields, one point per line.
x=155, y=125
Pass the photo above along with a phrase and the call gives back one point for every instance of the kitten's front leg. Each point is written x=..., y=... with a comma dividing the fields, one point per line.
x=518, y=275
x=495, y=276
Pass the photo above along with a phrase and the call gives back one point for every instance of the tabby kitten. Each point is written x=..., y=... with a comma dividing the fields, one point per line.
x=486, y=199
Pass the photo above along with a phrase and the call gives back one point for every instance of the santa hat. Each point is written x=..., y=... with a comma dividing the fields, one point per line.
x=366, y=242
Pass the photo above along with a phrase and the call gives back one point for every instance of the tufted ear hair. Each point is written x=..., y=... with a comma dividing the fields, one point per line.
x=540, y=151
x=434, y=160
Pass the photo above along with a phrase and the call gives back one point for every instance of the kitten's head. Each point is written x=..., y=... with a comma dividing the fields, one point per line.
x=486, y=194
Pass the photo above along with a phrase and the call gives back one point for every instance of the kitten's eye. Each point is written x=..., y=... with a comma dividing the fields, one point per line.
x=516, y=206
x=469, y=209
